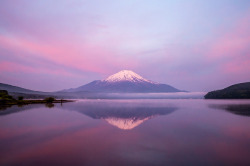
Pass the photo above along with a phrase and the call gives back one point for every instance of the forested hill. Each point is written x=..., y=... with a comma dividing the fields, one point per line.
x=237, y=91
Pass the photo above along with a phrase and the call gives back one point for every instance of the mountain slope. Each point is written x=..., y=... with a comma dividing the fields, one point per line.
x=11, y=88
x=125, y=81
x=16, y=91
x=237, y=91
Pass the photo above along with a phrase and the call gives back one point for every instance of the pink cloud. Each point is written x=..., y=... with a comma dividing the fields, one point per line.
x=236, y=67
x=13, y=67
x=84, y=56
x=232, y=42
x=6, y=66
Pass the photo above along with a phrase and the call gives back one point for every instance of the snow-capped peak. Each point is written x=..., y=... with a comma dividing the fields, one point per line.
x=126, y=75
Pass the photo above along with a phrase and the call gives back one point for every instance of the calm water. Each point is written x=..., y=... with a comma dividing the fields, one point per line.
x=127, y=132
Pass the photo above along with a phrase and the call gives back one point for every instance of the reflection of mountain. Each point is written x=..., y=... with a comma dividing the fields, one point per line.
x=239, y=109
x=127, y=118
x=122, y=115
x=125, y=124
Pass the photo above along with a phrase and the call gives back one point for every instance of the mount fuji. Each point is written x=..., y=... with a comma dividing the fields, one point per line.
x=125, y=81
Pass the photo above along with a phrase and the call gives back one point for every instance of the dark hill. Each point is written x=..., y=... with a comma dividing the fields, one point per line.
x=237, y=91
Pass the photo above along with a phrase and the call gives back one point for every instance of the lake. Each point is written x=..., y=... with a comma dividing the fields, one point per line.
x=127, y=132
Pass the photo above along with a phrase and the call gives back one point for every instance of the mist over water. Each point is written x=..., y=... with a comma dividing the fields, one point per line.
x=127, y=132
x=176, y=95
x=95, y=95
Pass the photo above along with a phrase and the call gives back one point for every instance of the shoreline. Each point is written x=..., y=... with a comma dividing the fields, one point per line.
x=26, y=102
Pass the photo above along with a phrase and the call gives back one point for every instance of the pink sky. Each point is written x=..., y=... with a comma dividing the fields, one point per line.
x=195, y=46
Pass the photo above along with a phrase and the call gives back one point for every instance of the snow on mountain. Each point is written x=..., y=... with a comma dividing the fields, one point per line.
x=126, y=75
x=126, y=123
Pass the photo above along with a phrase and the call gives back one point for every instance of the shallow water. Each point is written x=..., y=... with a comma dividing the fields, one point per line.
x=127, y=132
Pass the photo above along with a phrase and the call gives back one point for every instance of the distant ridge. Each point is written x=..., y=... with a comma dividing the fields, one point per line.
x=16, y=89
x=125, y=81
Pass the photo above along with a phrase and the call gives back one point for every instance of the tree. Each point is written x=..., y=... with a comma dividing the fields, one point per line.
x=49, y=99
x=20, y=97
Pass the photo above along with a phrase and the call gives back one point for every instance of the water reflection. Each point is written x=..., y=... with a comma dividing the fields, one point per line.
x=124, y=116
x=49, y=105
x=80, y=133
x=11, y=109
x=4, y=107
x=238, y=109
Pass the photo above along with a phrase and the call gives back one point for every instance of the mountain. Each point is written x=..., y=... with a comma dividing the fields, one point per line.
x=237, y=91
x=125, y=81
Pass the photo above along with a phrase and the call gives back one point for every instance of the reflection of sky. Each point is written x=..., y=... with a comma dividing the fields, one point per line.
x=183, y=43
x=195, y=134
